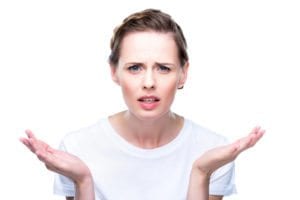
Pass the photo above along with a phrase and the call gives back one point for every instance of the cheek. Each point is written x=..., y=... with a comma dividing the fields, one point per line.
x=169, y=89
x=129, y=87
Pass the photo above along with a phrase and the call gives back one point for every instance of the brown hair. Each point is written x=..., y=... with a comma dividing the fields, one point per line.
x=149, y=19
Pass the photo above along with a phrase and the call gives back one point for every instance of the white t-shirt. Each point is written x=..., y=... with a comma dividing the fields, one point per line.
x=122, y=171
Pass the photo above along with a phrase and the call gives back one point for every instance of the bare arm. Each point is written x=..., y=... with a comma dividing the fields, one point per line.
x=212, y=160
x=64, y=164
x=214, y=197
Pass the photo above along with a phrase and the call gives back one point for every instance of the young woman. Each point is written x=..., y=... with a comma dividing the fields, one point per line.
x=147, y=151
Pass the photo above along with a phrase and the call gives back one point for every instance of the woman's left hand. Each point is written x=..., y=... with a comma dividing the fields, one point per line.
x=219, y=156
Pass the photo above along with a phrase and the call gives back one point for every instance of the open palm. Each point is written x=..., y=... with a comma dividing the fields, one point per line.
x=219, y=156
x=56, y=160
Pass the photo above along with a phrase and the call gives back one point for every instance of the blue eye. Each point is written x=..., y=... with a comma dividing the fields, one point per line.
x=134, y=68
x=164, y=68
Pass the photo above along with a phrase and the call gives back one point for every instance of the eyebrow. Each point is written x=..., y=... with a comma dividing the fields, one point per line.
x=166, y=64
x=134, y=63
x=156, y=63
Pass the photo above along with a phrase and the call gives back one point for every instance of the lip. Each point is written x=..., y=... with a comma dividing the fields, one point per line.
x=155, y=98
x=149, y=102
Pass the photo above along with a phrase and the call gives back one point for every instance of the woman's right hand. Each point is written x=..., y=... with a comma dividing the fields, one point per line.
x=58, y=161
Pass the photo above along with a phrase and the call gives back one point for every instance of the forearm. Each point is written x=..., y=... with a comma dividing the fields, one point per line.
x=85, y=189
x=198, y=186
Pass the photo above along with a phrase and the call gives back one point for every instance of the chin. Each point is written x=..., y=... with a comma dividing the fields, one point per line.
x=149, y=115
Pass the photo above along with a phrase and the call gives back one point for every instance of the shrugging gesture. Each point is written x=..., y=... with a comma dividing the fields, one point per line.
x=64, y=164
x=216, y=158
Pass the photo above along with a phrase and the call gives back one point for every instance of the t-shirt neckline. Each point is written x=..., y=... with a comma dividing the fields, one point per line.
x=163, y=150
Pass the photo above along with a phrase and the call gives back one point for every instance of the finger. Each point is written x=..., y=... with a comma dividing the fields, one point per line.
x=46, y=154
x=28, y=144
x=33, y=146
x=43, y=151
x=257, y=137
x=244, y=143
x=52, y=162
x=252, y=138
x=255, y=130
x=24, y=141
x=37, y=145
x=30, y=134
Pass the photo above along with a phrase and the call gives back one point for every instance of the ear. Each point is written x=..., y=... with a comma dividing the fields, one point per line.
x=183, y=75
x=114, y=74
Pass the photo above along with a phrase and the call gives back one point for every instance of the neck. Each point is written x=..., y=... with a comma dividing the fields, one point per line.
x=150, y=133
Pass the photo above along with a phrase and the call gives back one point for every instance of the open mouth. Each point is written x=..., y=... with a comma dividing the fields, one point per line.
x=148, y=99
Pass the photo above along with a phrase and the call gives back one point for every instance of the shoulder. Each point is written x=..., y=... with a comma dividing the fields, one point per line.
x=84, y=135
x=84, y=131
x=203, y=136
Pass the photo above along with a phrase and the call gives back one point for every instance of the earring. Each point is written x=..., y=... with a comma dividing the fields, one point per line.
x=180, y=88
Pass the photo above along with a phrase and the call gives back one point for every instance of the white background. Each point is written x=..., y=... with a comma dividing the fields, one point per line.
x=244, y=55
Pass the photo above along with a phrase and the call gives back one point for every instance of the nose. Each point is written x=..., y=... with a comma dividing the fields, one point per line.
x=149, y=80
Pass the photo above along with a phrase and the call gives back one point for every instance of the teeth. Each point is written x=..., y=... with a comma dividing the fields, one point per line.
x=148, y=100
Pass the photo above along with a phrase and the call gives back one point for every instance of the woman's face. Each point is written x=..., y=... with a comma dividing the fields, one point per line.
x=149, y=73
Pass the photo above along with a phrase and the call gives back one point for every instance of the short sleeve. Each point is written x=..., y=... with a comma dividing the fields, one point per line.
x=63, y=185
x=222, y=181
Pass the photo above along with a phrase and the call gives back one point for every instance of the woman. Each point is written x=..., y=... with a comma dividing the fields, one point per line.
x=147, y=151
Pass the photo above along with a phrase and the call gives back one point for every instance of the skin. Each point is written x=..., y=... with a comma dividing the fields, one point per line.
x=64, y=163
x=148, y=65
x=214, y=159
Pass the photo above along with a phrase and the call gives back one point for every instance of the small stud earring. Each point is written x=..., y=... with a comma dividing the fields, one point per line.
x=180, y=88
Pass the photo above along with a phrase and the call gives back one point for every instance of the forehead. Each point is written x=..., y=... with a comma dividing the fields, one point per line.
x=149, y=45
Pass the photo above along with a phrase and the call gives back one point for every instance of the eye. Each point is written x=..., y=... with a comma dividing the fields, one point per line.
x=163, y=69
x=134, y=68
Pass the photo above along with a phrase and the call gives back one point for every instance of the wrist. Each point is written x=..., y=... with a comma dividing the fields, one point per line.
x=201, y=173
x=85, y=189
x=83, y=181
x=198, y=185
